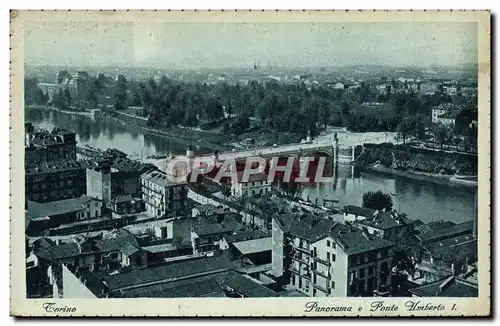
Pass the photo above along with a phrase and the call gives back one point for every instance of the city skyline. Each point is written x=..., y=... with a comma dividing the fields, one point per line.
x=293, y=45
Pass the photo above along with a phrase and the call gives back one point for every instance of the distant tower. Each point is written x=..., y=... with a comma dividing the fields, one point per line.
x=254, y=65
x=269, y=64
x=258, y=65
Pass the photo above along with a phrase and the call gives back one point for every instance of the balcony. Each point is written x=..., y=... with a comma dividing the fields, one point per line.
x=323, y=274
x=302, y=273
x=322, y=289
x=302, y=249
x=322, y=261
x=299, y=258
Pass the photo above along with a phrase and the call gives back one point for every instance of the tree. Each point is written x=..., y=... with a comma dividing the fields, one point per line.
x=67, y=98
x=121, y=93
x=440, y=134
x=405, y=128
x=377, y=200
x=92, y=99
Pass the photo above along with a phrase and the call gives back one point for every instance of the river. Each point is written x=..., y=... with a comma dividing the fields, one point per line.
x=419, y=199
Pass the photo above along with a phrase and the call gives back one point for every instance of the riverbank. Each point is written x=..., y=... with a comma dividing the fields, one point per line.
x=52, y=108
x=443, y=179
x=198, y=139
x=201, y=140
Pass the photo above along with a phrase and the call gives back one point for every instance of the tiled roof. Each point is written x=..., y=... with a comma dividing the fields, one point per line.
x=306, y=226
x=448, y=249
x=254, y=246
x=129, y=249
x=212, y=285
x=252, y=177
x=351, y=239
x=123, y=199
x=444, y=233
x=57, y=207
x=385, y=220
x=116, y=240
x=450, y=287
x=355, y=241
x=206, y=208
x=55, y=167
x=160, y=178
x=358, y=211
x=245, y=234
x=169, y=272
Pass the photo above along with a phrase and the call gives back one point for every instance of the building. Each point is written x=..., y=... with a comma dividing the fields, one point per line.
x=78, y=85
x=256, y=185
x=55, y=181
x=162, y=195
x=391, y=226
x=198, y=277
x=451, y=287
x=127, y=204
x=44, y=216
x=42, y=146
x=445, y=113
x=448, y=118
x=98, y=176
x=321, y=257
x=126, y=174
x=444, y=251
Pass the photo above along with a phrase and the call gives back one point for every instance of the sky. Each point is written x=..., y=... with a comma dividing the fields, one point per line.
x=217, y=45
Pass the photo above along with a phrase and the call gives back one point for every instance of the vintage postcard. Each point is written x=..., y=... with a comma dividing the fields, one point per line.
x=307, y=163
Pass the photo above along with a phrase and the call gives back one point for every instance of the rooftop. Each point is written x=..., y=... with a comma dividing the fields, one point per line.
x=385, y=220
x=56, y=167
x=448, y=249
x=162, y=179
x=168, y=273
x=213, y=285
x=358, y=211
x=252, y=177
x=58, y=207
x=254, y=246
x=113, y=241
x=449, y=287
x=351, y=239
x=445, y=233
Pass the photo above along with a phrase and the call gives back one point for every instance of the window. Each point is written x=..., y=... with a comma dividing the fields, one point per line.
x=333, y=245
x=314, y=278
x=328, y=256
x=333, y=285
x=328, y=243
x=370, y=270
x=333, y=257
x=362, y=273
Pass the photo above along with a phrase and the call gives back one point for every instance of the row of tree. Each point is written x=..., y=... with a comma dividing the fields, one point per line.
x=293, y=108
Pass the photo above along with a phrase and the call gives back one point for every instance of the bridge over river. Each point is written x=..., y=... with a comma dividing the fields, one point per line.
x=341, y=149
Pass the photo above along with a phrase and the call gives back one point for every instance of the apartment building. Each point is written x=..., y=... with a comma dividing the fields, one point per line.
x=55, y=181
x=321, y=257
x=43, y=146
x=162, y=195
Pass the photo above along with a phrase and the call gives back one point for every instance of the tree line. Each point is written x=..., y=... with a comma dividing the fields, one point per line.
x=291, y=108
